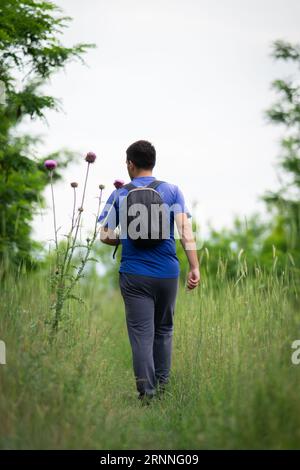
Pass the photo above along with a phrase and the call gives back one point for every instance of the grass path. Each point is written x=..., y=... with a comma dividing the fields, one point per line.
x=233, y=384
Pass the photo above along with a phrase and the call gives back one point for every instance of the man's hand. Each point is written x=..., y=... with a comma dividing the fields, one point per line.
x=109, y=236
x=193, y=278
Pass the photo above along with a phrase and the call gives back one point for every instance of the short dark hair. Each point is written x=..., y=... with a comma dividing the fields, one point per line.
x=142, y=154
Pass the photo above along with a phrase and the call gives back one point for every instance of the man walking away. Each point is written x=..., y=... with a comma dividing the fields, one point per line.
x=149, y=276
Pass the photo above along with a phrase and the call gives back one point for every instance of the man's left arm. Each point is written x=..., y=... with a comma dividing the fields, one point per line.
x=185, y=230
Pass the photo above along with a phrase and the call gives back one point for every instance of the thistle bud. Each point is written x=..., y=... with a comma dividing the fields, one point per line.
x=90, y=157
x=50, y=164
x=118, y=184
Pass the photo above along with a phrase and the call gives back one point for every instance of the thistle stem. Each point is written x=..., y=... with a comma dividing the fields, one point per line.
x=64, y=286
x=89, y=247
x=98, y=212
x=74, y=207
x=86, y=177
x=77, y=222
x=53, y=209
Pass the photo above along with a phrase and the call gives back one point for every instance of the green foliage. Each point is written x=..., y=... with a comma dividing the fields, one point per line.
x=274, y=244
x=108, y=266
x=30, y=52
x=285, y=202
x=29, y=31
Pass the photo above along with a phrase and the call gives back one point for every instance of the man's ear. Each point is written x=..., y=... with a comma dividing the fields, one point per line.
x=131, y=168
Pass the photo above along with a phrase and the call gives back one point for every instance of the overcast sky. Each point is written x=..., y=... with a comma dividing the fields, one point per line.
x=191, y=76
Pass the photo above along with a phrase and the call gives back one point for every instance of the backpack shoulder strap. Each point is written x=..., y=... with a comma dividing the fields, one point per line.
x=154, y=184
x=129, y=186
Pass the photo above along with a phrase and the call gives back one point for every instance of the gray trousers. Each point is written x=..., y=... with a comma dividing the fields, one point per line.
x=149, y=308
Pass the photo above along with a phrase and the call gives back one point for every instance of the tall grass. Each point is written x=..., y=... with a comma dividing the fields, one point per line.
x=232, y=385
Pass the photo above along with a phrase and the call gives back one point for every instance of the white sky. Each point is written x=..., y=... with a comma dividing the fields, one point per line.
x=191, y=76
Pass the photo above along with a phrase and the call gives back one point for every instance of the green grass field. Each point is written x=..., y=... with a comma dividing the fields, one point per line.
x=233, y=385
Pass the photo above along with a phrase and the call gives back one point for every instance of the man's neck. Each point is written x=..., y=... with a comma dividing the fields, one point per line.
x=143, y=173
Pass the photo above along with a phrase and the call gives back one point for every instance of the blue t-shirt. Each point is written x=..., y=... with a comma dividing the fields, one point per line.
x=158, y=261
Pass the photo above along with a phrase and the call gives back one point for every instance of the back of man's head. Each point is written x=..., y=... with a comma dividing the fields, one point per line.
x=143, y=154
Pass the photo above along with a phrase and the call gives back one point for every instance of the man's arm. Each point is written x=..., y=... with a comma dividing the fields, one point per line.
x=109, y=236
x=189, y=245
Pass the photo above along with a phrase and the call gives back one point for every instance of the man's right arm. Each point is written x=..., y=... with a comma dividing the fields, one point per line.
x=109, y=220
x=109, y=236
x=189, y=245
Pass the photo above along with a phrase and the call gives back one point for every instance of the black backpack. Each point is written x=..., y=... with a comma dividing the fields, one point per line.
x=152, y=223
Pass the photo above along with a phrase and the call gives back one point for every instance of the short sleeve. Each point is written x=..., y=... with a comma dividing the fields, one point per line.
x=179, y=204
x=109, y=217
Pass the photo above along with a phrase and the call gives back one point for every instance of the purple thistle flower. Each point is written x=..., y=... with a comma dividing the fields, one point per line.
x=50, y=164
x=118, y=183
x=90, y=157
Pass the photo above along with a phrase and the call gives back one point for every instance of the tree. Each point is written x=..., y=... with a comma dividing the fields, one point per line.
x=286, y=112
x=30, y=51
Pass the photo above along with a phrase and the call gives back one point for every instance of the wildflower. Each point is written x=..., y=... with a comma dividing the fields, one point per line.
x=101, y=186
x=74, y=184
x=50, y=164
x=90, y=157
x=118, y=184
